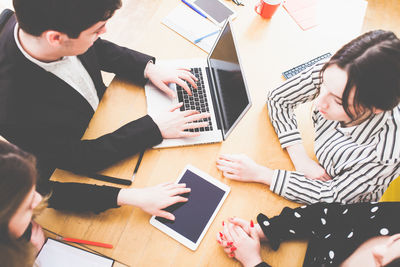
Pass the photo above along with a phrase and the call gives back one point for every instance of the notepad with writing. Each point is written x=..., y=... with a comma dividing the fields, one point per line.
x=190, y=25
x=56, y=253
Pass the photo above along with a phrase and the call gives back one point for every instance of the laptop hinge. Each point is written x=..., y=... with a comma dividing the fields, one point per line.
x=214, y=99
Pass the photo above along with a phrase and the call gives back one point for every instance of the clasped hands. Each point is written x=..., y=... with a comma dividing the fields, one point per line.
x=240, y=239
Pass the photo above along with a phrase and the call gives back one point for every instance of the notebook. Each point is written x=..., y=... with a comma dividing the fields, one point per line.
x=56, y=253
x=190, y=25
x=222, y=91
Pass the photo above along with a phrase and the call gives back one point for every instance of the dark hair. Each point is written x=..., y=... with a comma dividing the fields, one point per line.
x=394, y=263
x=17, y=178
x=372, y=63
x=67, y=16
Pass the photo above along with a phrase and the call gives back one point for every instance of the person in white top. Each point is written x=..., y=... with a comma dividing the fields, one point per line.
x=357, y=126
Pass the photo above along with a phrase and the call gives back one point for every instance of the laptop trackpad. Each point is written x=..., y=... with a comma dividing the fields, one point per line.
x=158, y=101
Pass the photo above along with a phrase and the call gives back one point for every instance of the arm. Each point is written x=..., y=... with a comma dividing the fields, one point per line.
x=85, y=197
x=122, y=61
x=283, y=100
x=281, y=104
x=82, y=197
x=61, y=146
x=364, y=181
x=304, y=164
x=138, y=67
x=298, y=223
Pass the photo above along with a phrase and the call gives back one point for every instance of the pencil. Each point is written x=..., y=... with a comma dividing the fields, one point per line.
x=87, y=242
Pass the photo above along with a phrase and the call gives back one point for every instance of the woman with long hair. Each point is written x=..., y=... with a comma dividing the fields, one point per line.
x=21, y=237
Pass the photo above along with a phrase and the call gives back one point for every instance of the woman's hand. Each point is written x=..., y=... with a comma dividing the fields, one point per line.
x=312, y=170
x=245, y=225
x=244, y=169
x=37, y=236
x=303, y=163
x=154, y=199
x=240, y=245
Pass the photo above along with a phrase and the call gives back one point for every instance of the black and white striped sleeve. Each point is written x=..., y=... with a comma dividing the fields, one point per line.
x=283, y=100
x=365, y=182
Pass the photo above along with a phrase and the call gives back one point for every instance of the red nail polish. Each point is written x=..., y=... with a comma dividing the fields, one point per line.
x=251, y=223
x=221, y=235
x=233, y=249
x=223, y=223
x=231, y=255
x=219, y=242
x=229, y=243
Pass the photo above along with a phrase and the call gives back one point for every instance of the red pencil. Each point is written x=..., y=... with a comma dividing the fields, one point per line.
x=80, y=241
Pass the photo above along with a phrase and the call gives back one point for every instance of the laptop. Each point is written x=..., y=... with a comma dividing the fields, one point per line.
x=222, y=91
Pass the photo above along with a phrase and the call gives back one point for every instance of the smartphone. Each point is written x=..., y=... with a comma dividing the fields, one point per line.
x=215, y=10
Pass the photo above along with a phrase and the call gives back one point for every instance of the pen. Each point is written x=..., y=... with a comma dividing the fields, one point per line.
x=137, y=164
x=110, y=179
x=205, y=36
x=195, y=9
x=80, y=241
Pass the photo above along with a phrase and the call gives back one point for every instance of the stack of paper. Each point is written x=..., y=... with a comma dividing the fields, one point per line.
x=191, y=26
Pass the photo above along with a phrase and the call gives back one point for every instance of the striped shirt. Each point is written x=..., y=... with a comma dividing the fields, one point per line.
x=362, y=160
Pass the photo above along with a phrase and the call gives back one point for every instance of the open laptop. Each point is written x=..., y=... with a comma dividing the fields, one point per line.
x=222, y=91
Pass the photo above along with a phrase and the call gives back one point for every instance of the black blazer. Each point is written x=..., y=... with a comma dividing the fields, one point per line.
x=44, y=115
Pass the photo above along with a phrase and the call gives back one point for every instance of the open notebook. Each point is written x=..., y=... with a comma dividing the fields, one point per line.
x=190, y=25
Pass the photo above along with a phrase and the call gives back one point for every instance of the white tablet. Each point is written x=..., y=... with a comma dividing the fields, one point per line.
x=216, y=10
x=194, y=217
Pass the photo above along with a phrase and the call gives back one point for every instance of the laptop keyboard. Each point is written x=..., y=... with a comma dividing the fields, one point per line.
x=197, y=101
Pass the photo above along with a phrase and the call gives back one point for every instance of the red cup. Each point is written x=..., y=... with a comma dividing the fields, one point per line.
x=267, y=8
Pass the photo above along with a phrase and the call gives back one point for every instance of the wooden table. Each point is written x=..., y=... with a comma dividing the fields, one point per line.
x=266, y=47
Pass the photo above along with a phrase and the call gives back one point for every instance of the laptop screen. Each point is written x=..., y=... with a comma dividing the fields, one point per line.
x=230, y=88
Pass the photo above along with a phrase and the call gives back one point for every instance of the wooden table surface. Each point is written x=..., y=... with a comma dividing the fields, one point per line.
x=266, y=48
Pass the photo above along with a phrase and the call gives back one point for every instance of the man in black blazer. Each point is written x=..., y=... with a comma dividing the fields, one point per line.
x=51, y=59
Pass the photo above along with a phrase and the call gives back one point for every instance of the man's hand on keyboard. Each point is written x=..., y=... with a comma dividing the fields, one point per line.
x=173, y=123
x=162, y=76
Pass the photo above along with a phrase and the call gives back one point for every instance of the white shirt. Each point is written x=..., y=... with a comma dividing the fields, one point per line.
x=362, y=160
x=70, y=70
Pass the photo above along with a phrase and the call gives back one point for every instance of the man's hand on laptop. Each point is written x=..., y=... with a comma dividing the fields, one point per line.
x=162, y=76
x=173, y=123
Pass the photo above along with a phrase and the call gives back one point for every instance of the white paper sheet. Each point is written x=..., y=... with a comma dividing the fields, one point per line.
x=191, y=26
x=55, y=253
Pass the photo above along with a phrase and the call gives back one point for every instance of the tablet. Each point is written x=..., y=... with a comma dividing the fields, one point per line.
x=194, y=217
x=215, y=10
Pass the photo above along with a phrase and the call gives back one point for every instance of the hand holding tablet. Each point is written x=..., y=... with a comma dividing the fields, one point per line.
x=194, y=217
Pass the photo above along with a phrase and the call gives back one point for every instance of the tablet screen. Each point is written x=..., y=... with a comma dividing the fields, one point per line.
x=192, y=217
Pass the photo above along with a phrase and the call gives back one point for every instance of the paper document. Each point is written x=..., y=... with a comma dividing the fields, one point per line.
x=192, y=26
x=56, y=253
x=327, y=13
